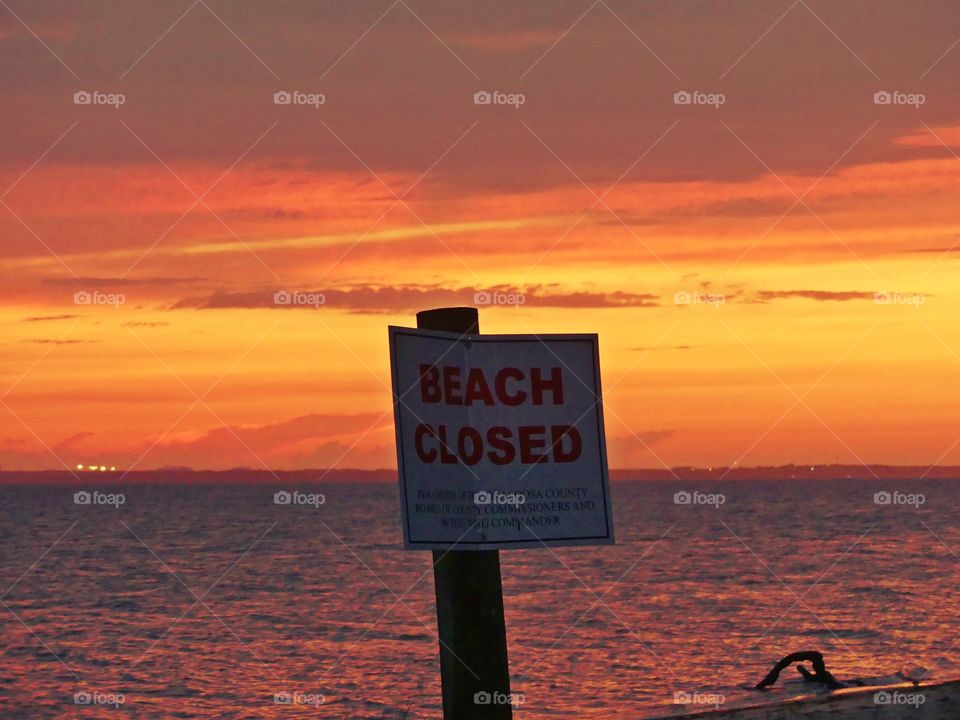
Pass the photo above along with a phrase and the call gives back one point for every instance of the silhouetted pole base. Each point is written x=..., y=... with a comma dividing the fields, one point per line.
x=474, y=669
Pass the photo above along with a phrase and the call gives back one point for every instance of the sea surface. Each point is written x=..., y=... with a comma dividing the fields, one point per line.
x=189, y=601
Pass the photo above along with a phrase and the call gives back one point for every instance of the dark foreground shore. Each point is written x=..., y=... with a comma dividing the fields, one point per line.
x=891, y=702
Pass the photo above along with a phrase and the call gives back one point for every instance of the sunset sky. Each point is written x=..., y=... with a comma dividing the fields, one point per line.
x=814, y=228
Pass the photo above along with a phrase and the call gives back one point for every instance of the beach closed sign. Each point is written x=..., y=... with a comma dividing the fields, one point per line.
x=500, y=440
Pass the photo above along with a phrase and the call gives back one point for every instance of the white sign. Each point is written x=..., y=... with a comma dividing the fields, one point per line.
x=500, y=440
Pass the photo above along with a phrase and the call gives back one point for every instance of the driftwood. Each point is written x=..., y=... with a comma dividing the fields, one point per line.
x=820, y=673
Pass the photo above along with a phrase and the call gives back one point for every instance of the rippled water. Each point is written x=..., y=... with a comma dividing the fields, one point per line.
x=204, y=602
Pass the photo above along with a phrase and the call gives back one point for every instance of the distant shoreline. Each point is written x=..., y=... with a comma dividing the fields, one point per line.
x=787, y=473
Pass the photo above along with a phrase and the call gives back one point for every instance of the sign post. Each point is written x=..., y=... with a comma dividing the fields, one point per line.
x=500, y=444
x=471, y=628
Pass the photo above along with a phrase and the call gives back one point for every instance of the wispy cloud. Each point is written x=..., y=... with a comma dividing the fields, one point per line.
x=764, y=296
x=48, y=318
x=86, y=282
x=58, y=341
x=397, y=298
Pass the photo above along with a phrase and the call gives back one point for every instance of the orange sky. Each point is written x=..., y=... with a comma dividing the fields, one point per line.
x=817, y=231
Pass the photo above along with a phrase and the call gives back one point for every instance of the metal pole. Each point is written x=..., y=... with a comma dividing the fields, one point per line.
x=474, y=670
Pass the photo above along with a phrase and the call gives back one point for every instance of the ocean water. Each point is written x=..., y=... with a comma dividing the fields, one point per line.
x=213, y=602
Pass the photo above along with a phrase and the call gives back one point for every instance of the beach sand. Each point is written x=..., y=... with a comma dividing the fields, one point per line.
x=939, y=700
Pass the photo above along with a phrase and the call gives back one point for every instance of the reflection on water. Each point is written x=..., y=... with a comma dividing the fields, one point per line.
x=214, y=602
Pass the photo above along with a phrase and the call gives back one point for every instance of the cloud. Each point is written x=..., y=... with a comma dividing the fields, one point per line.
x=57, y=341
x=82, y=282
x=17, y=454
x=932, y=137
x=396, y=298
x=509, y=40
x=663, y=347
x=635, y=450
x=346, y=455
x=306, y=441
x=46, y=28
x=45, y=318
x=284, y=214
x=144, y=324
x=297, y=442
x=950, y=250
x=765, y=296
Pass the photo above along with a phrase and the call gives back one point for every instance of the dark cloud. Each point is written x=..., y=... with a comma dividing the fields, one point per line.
x=45, y=318
x=86, y=282
x=284, y=214
x=952, y=249
x=765, y=296
x=388, y=299
x=635, y=449
x=299, y=442
x=58, y=341
x=144, y=324
x=200, y=94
